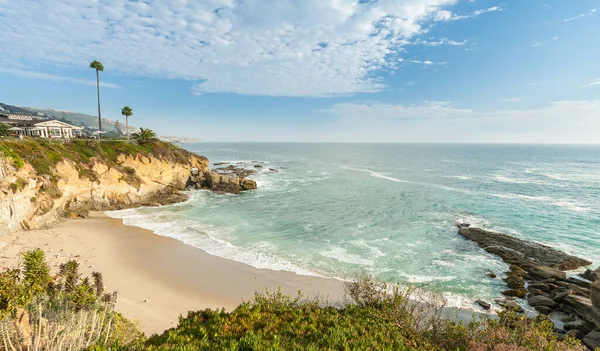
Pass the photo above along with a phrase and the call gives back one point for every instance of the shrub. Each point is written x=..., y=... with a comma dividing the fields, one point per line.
x=65, y=312
x=377, y=317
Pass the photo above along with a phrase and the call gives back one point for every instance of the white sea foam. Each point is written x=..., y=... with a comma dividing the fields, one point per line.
x=378, y=175
x=564, y=203
x=364, y=244
x=459, y=177
x=208, y=239
x=414, y=278
x=503, y=179
x=342, y=255
x=443, y=263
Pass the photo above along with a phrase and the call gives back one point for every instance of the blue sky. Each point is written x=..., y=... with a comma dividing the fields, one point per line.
x=315, y=70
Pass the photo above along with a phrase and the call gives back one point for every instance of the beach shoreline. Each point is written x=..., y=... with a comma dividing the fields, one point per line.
x=157, y=278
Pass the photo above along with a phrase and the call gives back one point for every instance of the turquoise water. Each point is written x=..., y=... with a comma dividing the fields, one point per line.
x=340, y=210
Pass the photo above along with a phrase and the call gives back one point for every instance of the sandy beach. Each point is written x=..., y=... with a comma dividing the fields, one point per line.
x=157, y=278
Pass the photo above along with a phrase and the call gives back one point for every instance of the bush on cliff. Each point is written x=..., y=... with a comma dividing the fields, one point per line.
x=39, y=311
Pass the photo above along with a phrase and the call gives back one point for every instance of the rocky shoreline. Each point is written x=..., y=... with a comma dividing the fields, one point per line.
x=537, y=275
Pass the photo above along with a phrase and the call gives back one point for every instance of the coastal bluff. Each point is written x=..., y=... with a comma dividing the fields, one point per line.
x=42, y=181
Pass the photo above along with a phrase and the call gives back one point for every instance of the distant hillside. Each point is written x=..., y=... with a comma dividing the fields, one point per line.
x=78, y=119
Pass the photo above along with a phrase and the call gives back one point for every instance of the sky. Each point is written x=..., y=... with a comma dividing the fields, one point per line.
x=468, y=71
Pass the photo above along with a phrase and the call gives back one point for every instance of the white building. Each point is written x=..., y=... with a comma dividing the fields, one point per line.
x=36, y=126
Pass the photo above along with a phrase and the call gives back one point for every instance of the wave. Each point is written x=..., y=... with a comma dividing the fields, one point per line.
x=342, y=255
x=564, y=203
x=459, y=177
x=364, y=244
x=503, y=179
x=593, y=178
x=378, y=175
x=208, y=239
x=414, y=278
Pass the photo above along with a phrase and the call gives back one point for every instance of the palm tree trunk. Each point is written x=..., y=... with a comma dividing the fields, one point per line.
x=127, y=126
x=99, y=115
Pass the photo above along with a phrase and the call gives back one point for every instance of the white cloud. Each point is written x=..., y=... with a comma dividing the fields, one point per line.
x=582, y=15
x=555, y=38
x=536, y=45
x=555, y=122
x=379, y=110
x=443, y=41
x=56, y=78
x=427, y=62
x=445, y=15
x=513, y=99
x=595, y=83
x=287, y=47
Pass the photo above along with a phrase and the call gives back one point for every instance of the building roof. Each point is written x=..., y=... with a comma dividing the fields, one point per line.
x=24, y=120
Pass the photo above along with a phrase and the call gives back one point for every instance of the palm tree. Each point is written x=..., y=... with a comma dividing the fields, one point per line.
x=144, y=135
x=99, y=68
x=127, y=112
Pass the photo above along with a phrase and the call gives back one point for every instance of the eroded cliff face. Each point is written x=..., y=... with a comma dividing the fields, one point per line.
x=28, y=200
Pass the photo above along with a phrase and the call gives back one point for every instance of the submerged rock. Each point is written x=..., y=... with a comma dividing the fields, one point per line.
x=483, y=304
x=491, y=274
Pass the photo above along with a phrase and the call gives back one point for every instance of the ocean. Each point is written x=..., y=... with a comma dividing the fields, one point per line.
x=390, y=210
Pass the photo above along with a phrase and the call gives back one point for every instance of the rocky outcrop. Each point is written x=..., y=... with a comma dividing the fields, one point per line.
x=29, y=200
x=220, y=183
x=537, y=274
x=515, y=250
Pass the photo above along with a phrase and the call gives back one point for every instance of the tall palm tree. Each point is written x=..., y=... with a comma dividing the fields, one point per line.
x=99, y=68
x=127, y=112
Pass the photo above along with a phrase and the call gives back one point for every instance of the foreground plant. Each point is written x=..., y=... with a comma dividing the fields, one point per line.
x=376, y=317
x=65, y=312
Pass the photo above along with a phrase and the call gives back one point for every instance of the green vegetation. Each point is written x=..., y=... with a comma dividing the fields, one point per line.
x=4, y=129
x=144, y=135
x=76, y=311
x=44, y=155
x=127, y=112
x=378, y=317
x=96, y=65
x=42, y=312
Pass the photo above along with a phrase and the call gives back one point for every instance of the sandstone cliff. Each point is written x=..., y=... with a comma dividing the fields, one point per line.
x=42, y=181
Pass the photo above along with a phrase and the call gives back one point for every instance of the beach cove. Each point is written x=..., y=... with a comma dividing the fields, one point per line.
x=157, y=278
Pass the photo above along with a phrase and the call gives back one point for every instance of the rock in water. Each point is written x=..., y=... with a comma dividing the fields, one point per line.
x=511, y=249
x=491, y=274
x=591, y=275
x=483, y=304
x=510, y=305
x=595, y=293
x=540, y=300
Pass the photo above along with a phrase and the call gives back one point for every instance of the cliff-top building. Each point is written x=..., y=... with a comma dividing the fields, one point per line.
x=36, y=126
